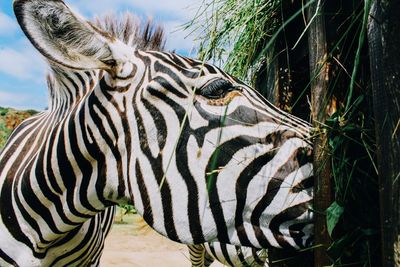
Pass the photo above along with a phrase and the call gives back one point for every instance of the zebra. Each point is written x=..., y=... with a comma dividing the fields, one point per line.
x=202, y=156
x=203, y=255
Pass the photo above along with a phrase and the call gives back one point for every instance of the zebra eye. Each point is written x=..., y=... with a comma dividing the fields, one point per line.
x=216, y=89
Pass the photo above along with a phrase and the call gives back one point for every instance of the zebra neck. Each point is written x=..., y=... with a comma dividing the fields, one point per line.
x=68, y=87
x=48, y=189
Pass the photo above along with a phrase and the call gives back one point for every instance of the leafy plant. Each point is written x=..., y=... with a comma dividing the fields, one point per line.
x=4, y=134
x=9, y=119
x=126, y=210
x=234, y=32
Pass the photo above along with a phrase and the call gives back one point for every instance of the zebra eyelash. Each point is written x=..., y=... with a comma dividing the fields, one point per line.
x=216, y=89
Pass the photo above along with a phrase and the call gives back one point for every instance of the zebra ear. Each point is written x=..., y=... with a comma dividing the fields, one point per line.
x=62, y=36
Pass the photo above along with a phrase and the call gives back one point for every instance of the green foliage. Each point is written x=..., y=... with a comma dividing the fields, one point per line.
x=125, y=210
x=31, y=112
x=9, y=118
x=3, y=111
x=128, y=209
x=353, y=218
x=4, y=134
x=236, y=33
x=333, y=214
x=4, y=131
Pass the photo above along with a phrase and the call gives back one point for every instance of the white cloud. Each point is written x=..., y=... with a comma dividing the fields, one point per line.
x=28, y=100
x=23, y=70
x=7, y=25
x=22, y=62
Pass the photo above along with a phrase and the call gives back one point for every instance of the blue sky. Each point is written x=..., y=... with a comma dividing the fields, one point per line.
x=23, y=70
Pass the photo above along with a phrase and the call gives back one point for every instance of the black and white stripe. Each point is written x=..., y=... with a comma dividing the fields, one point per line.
x=201, y=155
x=204, y=254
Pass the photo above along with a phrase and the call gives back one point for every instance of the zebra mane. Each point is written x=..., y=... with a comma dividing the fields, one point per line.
x=133, y=31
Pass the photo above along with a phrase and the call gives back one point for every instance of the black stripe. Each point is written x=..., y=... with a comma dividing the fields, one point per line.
x=306, y=184
x=84, y=165
x=6, y=258
x=193, y=193
x=157, y=166
x=128, y=143
x=31, y=199
x=223, y=155
x=226, y=254
x=45, y=189
x=67, y=174
x=76, y=87
x=181, y=157
x=242, y=183
x=8, y=215
x=171, y=89
x=79, y=248
x=212, y=250
x=289, y=214
x=160, y=66
x=240, y=255
x=70, y=97
x=211, y=69
x=109, y=140
x=99, y=122
x=95, y=152
x=49, y=170
x=297, y=233
x=256, y=255
x=147, y=209
x=275, y=182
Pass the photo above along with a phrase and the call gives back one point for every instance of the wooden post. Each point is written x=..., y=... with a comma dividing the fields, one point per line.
x=384, y=43
x=319, y=76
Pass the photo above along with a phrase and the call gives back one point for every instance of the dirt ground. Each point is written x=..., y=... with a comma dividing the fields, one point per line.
x=134, y=244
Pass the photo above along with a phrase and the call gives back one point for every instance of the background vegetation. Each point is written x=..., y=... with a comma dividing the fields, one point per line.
x=9, y=119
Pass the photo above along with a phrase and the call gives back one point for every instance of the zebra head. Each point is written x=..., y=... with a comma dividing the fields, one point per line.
x=200, y=154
